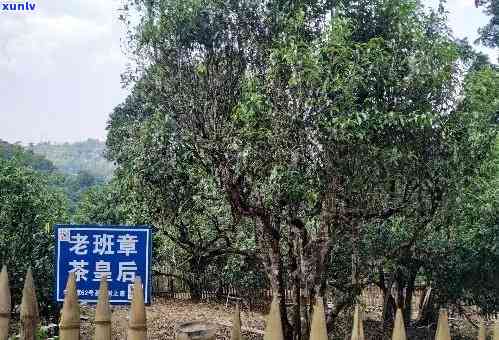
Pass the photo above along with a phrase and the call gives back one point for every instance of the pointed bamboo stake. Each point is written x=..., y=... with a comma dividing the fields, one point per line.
x=273, y=329
x=29, y=309
x=103, y=313
x=5, y=304
x=496, y=331
x=399, y=327
x=69, y=326
x=236, y=325
x=443, y=331
x=318, y=329
x=137, y=327
x=358, y=325
x=482, y=334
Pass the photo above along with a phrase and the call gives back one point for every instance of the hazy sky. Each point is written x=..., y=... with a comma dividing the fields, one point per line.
x=60, y=66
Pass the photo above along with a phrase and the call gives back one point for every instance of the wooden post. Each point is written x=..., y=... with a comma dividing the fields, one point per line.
x=273, y=329
x=443, y=331
x=69, y=326
x=358, y=324
x=137, y=326
x=318, y=329
x=399, y=327
x=29, y=309
x=103, y=312
x=5, y=304
x=482, y=333
x=236, y=325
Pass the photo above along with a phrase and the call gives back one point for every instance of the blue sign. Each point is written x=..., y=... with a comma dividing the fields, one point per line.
x=91, y=251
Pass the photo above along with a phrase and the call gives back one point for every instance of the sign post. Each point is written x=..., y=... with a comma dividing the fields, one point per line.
x=91, y=251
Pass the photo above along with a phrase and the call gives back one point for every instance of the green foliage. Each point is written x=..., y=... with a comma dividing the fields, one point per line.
x=473, y=217
x=101, y=204
x=41, y=334
x=454, y=251
x=489, y=34
x=29, y=207
x=25, y=157
x=74, y=186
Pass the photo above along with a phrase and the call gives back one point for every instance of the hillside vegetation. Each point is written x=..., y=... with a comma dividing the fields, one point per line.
x=65, y=167
x=73, y=158
x=25, y=157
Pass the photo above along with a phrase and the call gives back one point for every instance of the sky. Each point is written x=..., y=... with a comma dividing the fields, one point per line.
x=60, y=66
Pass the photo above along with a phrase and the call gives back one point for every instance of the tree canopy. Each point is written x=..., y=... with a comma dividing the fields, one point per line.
x=345, y=129
x=489, y=34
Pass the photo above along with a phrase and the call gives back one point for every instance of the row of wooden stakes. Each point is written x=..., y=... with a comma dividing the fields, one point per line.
x=318, y=329
x=69, y=325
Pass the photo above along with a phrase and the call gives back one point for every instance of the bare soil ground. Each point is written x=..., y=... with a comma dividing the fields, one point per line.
x=164, y=316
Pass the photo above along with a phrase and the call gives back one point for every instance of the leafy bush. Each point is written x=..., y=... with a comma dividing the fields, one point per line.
x=29, y=207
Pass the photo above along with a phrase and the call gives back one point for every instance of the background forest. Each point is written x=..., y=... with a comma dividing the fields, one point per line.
x=317, y=147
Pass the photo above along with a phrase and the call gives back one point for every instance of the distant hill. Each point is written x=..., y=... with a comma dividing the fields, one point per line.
x=72, y=168
x=74, y=158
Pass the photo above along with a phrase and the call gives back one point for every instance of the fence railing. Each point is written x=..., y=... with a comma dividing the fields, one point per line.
x=210, y=287
x=174, y=284
x=69, y=326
